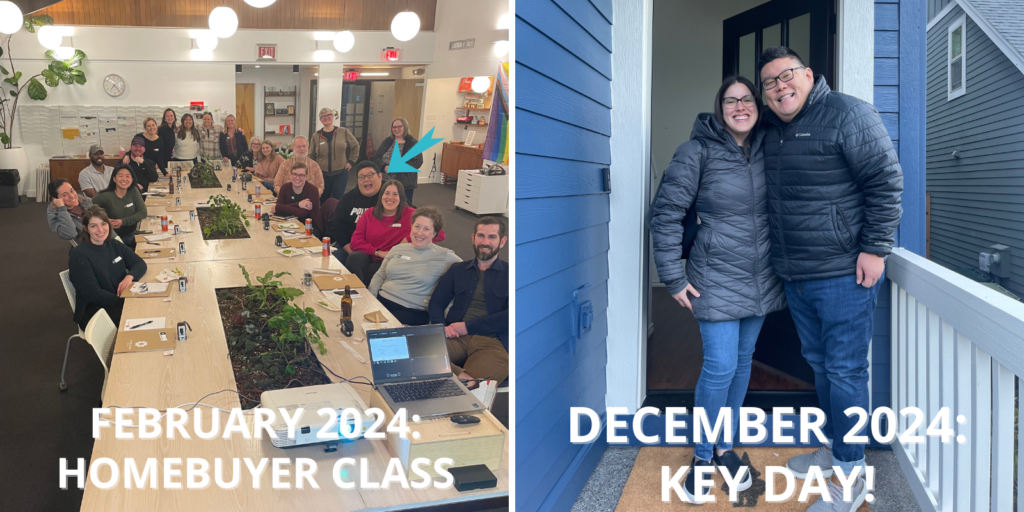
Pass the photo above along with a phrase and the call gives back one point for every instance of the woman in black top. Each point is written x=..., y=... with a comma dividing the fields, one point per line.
x=232, y=141
x=101, y=269
x=399, y=135
x=154, y=145
x=168, y=129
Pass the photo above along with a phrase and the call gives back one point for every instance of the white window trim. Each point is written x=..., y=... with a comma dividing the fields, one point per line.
x=961, y=24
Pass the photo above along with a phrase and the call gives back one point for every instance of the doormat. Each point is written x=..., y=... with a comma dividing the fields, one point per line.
x=643, y=489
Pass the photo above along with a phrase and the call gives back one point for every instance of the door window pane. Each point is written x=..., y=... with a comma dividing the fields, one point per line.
x=800, y=36
x=771, y=36
x=748, y=57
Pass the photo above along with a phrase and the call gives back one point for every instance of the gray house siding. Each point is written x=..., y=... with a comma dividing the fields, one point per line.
x=935, y=7
x=978, y=199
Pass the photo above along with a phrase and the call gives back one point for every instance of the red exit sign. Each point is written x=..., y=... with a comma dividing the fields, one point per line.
x=266, y=52
x=351, y=76
x=390, y=54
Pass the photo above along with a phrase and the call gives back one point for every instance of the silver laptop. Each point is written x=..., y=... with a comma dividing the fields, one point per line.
x=411, y=370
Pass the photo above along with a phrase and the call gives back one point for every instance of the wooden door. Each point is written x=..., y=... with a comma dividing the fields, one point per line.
x=245, y=105
x=409, y=103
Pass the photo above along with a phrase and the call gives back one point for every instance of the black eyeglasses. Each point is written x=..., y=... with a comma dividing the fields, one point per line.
x=730, y=102
x=786, y=75
x=366, y=177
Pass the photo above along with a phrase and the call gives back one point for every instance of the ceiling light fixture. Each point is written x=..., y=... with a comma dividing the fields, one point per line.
x=49, y=37
x=405, y=25
x=223, y=22
x=11, y=18
x=480, y=84
x=374, y=74
x=344, y=41
x=505, y=21
x=64, y=52
x=259, y=4
x=500, y=48
x=205, y=39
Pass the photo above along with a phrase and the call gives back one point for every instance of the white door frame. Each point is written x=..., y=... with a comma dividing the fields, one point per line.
x=632, y=36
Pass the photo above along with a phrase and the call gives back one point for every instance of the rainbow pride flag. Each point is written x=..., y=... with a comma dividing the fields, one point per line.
x=496, y=145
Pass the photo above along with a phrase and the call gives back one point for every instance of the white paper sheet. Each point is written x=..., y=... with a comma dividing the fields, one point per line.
x=149, y=287
x=157, y=323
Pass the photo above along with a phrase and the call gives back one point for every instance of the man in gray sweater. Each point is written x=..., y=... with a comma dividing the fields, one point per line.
x=64, y=213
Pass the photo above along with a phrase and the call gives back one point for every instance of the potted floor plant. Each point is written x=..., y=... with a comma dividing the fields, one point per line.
x=15, y=87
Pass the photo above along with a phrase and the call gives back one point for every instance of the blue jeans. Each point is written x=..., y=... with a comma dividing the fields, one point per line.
x=269, y=185
x=341, y=255
x=408, y=195
x=728, y=349
x=834, y=318
x=334, y=186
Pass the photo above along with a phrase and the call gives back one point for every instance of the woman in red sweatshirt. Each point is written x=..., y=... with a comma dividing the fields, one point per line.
x=379, y=229
x=300, y=199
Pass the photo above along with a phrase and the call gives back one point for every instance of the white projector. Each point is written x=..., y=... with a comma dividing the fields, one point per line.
x=311, y=399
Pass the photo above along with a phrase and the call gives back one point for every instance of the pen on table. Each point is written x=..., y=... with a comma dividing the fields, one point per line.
x=140, y=325
x=150, y=252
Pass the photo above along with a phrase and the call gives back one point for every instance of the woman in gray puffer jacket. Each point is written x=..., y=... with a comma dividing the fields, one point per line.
x=729, y=272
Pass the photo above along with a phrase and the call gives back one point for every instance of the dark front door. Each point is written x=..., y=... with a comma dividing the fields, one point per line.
x=355, y=113
x=806, y=26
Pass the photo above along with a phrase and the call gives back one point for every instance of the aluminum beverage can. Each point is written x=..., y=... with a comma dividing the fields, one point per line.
x=229, y=187
x=177, y=230
x=250, y=198
x=327, y=246
x=257, y=190
x=192, y=215
x=309, y=227
x=243, y=185
x=163, y=223
x=177, y=201
x=258, y=213
x=307, y=278
x=181, y=246
x=182, y=283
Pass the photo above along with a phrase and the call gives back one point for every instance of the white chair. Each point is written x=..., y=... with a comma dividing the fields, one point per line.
x=100, y=333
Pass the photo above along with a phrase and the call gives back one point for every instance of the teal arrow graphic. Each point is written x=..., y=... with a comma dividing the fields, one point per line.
x=398, y=161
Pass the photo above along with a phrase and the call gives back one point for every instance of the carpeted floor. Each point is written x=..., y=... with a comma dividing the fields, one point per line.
x=40, y=424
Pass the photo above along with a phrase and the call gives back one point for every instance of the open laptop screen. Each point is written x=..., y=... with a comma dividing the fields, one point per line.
x=408, y=353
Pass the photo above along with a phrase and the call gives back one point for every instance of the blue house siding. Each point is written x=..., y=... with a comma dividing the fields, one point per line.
x=978, y=199
x=563, y=129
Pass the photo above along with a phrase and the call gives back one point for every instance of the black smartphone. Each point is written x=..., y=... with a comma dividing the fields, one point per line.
x=143, y=232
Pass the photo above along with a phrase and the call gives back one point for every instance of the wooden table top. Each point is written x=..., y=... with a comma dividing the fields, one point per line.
x=201, y=365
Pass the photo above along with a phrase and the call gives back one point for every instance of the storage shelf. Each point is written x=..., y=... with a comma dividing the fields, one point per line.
x=278, y=115
x=470, y=124
x=474, y=109
x=280, y=94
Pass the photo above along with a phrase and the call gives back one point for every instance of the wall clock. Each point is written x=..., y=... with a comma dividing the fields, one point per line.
x=114, y=85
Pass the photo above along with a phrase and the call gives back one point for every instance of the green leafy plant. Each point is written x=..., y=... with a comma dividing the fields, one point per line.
x=270, y=293
x=296, y=327
x=228, y=217
x=15, y=86
x=203, y=176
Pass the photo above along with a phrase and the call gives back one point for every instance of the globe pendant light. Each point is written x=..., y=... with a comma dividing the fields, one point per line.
x=223, y=22
x=11, y=18
x=206, y=40
x=504, y=21
x=480, y=84
x=405, y=26
x=500, y=48
x=344, y=41
x=49, y=37
x=64, y=52
x=259, y=4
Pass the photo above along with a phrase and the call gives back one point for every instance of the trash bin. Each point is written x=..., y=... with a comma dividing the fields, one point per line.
x=9, y=179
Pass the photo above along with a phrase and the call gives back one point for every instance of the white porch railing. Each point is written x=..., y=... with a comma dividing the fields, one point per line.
x=956, y=344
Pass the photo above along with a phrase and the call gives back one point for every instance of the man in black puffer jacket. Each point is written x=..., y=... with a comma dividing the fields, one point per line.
x=834, y=188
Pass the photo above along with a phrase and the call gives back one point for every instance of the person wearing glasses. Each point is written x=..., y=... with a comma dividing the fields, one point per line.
x=727, y=281
x=300, y=199
x=400, y=136
x=835, y=185
x=352, y=206
x=336, y=150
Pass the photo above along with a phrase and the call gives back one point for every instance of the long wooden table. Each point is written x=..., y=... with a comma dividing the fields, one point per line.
x=201, y=365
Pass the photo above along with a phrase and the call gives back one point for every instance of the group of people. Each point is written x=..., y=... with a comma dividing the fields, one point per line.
x=380, y=237
x=797, y=204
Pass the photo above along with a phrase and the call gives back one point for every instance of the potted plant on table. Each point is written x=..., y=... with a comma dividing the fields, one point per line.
x=63, y=67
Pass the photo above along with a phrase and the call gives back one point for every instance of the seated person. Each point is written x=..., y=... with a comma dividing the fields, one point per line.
x=300, y=152
x=101, y=269
x=268, y=162
x=122, y=203
x=96, y=177
x=356, y=201
x=379, y=229
x=246, y=162
x=143, y=168
x=300, y=199
x=477, y=323
x=409, y=272
x=64, y=213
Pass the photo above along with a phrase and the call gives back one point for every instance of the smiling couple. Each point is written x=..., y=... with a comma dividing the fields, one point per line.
x=797, y=202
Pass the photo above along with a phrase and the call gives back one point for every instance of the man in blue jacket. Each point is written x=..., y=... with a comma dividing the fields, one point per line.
x=477, y=323
x=834, y=192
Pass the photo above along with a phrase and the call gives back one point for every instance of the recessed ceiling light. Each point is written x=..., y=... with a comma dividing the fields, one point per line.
x=374, y=74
